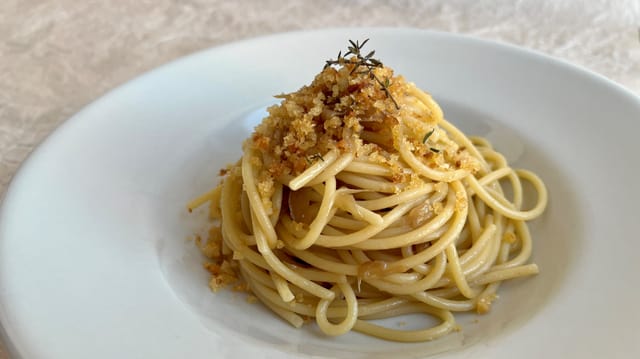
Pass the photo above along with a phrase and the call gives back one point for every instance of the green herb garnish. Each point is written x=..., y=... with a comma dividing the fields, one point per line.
x=315, y=157
x=426, y=137
x=363, y=65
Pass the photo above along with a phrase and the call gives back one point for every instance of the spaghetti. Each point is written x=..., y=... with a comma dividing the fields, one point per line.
x=356, y=200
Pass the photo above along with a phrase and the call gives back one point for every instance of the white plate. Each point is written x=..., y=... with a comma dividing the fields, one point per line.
x=93, y=256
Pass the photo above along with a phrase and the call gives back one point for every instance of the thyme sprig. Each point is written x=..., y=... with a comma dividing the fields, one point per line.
x=363, y=65
x=314, y=157
x=426, y=138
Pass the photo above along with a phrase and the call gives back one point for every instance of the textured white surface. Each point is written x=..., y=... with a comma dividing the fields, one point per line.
x=58, y=56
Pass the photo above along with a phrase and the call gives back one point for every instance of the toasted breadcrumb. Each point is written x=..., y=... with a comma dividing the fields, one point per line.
x=346, y=112
x=211, y=248
x=484, y=303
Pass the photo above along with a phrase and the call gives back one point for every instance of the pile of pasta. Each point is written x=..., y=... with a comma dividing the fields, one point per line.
x=355, y=200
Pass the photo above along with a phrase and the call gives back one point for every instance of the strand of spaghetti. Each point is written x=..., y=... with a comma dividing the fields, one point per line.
x=287, y=315
x=488, y=295
x=379, y=305
x=368, y=168
x=494, y=176
x=364, y=195
x=444, y=303
x=480, y=263
x=455, y=271
x=214, y=205
x=491, y=201
x=335, y=168
x=258, y=234
x=435, y=111
x=420, y=285
x=276, y=202
x=255, y=273
x=315, y=228
x=324, y=264
x=274, y=262
x=346, y=257
x=257, y=208
x=473, y=220
x=348, y=224
x=464, y=239
x=295, y=278
x=481, y=207
x=272, y=296
x=445, y=292
x=423, y=268
x=339, y=310
x=282, y=287
x=350, y=318
x=310, y=173
x=332, y=231
x=490, y=252
x=422, y=169
x=390, y=312
x=480, y=142
x=481, y=243
x=525, y=250
x=231, y=230
x=251, y=256
x=447, y=325
x=472, y=260
x=393, y=200
x=311, y=274
x=496, y=159
x=318, y=275
x=515, y=185
x=418, y=235
x=504, y=274
x=396, y=278
x=505, y=248
x=204, y=198
x=518, y=194
x=348, y=203
x=365, y=233
x=397, y=231
x=360, y=181
x=447, y=238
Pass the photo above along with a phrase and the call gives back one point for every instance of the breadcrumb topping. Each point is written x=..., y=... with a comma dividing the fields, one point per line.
x=350, y=112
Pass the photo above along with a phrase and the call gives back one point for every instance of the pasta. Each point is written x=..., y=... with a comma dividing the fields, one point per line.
x=356, y=200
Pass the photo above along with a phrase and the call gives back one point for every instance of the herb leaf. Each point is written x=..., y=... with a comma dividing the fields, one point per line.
x=426, y=137
x=366, y=61
x=315, y=157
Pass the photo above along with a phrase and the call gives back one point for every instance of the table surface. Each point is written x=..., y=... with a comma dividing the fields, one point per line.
x=58, y=56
